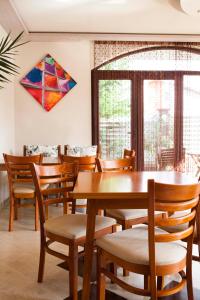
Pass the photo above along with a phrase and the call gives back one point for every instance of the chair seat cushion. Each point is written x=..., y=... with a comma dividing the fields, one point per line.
x=127, y=214
x=131, y=245
x=74, y=226
x=81, y=201
x=26, y=188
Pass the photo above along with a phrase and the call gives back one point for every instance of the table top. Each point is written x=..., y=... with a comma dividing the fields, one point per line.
x=127, y=184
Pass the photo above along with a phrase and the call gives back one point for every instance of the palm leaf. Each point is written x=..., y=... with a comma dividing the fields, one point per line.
x=13, y=43
x=4, y=43
x=6, y=71
x=7, y=54
x=4, y=78
x=6, y=61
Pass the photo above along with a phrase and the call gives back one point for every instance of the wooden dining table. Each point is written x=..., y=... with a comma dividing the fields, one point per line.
x=115, y=190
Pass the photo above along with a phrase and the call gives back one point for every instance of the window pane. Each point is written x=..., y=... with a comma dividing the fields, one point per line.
x=158, y=120
x=114, y=116
x=191, y=119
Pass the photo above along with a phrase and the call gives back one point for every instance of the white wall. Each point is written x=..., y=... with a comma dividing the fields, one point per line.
x=69, y=122
x=6, y=127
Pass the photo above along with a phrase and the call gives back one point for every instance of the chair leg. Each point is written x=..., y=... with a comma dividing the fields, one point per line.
x=160, y=282
x=36, y=215
x=125, y=272
x=42, y=261
x=46, y=212
x=189, y=282
x=146, y=282
x=11, y=216
x=189, y=267
x=16, y=203
x=113, y=269
x=66, y=208
x=74, y=206
x=124, y=227
x=199, y=249
x=113, y=266
x=153, y=288
x=73, y=271
x=100, y=278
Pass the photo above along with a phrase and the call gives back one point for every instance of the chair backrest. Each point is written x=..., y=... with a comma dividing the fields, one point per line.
x=94, y=150
x=128, y=153
x=166, y=158
x=168, y=198
x=19, y=168
x=85, y=163
x=46, y=150
x=116, y=165
x=61, y=179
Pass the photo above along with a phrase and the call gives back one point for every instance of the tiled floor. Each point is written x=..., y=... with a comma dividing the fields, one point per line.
x=19, y=253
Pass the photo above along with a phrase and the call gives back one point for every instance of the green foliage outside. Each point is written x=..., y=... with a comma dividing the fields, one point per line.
x=114, y=111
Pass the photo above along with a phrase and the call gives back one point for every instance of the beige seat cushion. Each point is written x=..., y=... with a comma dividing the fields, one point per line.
x=74, y=226
x=127, y=214
x=26, y=188
x=132, y=246
x=81, y=201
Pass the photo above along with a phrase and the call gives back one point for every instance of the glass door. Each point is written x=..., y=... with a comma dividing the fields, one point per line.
x=158, y=120
x=114, y=117
x=139, y=113
x=191, y=122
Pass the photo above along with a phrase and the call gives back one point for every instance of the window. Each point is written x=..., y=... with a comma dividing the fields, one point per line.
x=143, y=101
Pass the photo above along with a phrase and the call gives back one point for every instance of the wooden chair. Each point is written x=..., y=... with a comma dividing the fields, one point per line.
x=128, y=153
x=166, y=159
x=125, y=217
x=120, y=164
x=21, y=184
x=68, y=229
x=151, y=251
x=85, y=164
x=47, y=150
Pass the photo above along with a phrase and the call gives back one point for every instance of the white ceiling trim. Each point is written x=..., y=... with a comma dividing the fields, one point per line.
x=63, y=36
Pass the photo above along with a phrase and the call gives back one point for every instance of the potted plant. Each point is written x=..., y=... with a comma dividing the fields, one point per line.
x=7, y=53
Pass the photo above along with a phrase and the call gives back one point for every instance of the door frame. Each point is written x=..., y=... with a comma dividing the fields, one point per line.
x=137, y=122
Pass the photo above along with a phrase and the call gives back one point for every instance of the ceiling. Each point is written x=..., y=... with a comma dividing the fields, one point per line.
x=103, y=17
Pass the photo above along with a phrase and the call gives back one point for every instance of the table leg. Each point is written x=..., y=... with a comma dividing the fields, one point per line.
x=91, y=212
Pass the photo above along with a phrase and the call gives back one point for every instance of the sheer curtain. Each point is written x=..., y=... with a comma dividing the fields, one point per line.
x=105, y=51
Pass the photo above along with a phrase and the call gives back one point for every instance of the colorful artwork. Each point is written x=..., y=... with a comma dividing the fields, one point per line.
x=48, y=82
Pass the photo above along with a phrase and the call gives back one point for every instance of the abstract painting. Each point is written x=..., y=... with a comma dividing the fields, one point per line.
x=48, y=82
